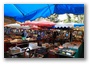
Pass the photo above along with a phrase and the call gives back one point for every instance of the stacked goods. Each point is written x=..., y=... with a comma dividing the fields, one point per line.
x=46, y=45
x=16, y=37
x=73, y=45
x=56, y=49
x=68, y=52
x=28, y=39
x=52, y=51
x=14, y=50
x=16, y=41
x=76, y=43
x=32, y=39
x=7, y=40
x=61, y=47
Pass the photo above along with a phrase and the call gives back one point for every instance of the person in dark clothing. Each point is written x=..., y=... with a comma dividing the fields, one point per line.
x=39, y=38
x=70, y=37
x=24, y=34
x=62, y=39
x=54, y=36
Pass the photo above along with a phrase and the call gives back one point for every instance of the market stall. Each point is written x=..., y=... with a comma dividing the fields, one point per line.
x=42, y=38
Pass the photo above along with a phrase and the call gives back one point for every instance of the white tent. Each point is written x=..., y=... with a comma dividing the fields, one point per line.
x=15, y=25
x=61, y=24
